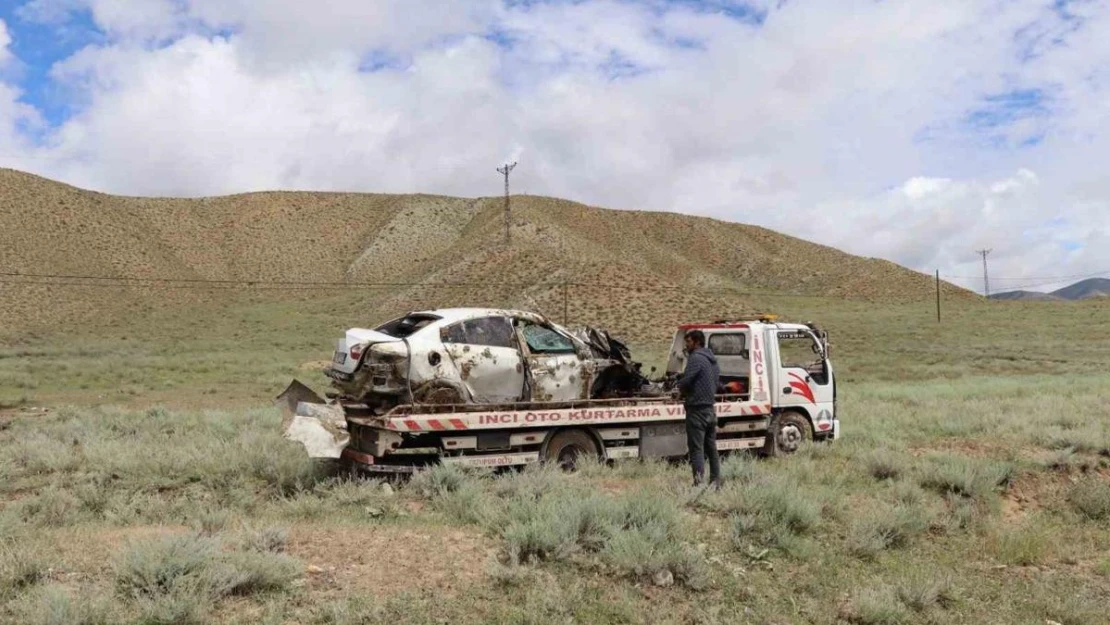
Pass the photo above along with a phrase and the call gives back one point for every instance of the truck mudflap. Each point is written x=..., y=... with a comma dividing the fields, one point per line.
x=311, y=421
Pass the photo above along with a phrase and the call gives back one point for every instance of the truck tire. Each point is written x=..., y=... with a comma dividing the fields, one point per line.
x=787, y=432
x=566, y=447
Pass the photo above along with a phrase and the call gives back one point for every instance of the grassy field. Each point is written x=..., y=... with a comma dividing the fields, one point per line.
x=972, y=485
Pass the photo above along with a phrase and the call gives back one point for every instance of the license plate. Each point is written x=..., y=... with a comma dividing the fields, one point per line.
x=340, y=358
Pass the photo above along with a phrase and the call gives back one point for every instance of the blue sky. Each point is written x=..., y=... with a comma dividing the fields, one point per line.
x=935, y=126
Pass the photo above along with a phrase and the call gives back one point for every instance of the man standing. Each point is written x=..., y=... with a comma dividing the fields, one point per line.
x=698, y=388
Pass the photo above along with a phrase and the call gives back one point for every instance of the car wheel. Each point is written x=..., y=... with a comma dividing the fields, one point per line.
x=567, y=448
x=787, y=433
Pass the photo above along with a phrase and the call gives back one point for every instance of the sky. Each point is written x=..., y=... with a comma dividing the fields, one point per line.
x=917, y=131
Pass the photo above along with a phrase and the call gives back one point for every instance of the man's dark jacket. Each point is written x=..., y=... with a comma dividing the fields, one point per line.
x=699, y=382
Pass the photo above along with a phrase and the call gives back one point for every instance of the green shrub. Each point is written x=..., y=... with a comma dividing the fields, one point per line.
x=1022, y=547
x=967, y=477
x=265, y=540
x=158, y=567
x=188, y=602
x=768, y=510
x=350, y=611
x=440, y=480
x=212, y=522
x=885, y=527
x=177, y=576
x=51, y=507
x=884, y=465
x=878, y=607
x=923, y=593
x=1091, y=498
x=250, y=572
x=20, y=568
x=54, y=605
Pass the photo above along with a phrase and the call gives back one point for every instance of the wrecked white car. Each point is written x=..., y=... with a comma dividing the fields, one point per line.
x=477, y=356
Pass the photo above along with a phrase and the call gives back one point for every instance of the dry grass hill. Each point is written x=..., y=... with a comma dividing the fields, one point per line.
x=625, y=267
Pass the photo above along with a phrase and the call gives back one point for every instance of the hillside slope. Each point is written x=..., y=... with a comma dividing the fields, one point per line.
x=645, y=267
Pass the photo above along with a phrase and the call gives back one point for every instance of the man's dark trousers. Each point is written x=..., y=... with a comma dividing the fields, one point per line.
x=701, y=439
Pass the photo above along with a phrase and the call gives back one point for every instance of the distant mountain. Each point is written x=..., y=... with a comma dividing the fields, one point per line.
x=1087, y=289
x=1026, y=296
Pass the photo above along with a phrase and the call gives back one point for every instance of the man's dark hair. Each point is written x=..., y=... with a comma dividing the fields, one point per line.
x=697, y=336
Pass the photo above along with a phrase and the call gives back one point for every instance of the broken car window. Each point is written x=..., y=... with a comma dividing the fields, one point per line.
x=492, y=331
x=727, y=344
x=543, y=340
x=455, y=333
x=406, y=326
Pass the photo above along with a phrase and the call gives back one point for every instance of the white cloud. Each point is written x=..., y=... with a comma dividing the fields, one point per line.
x=859, y=124
x=5, y=41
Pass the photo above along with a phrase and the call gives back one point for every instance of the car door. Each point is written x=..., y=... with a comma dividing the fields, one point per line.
x=804, y=377
x=486, y=356
x=556, y=371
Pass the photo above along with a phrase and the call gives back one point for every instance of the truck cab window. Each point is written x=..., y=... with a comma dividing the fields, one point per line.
x=801, y=350
x=727, y=344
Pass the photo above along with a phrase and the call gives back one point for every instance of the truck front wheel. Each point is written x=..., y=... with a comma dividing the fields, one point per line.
x=567, y=448
x=788, y=431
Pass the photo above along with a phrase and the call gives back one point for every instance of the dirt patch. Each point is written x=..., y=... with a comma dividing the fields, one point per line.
x=384, y=560
x=964, y=447
x=315, y=365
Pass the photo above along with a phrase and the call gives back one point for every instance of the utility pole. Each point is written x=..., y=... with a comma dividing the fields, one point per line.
x=986, y=276
x=508, y=167
x=938, y=295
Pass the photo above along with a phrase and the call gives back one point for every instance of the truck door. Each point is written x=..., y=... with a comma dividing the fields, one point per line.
x=488, y=360
x=555, y=369
x=803, y=377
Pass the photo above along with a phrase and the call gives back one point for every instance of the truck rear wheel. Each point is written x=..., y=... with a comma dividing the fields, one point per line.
x=568, y=447
x=788, y=431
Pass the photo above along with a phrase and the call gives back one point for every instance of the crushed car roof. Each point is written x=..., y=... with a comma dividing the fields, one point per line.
x=451, y=315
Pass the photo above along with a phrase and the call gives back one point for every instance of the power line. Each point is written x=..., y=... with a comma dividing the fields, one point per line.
x=48, y=280
x=1048, y=279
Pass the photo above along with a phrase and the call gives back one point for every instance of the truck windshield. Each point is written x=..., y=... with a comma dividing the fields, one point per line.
x=799, y=349
x=407, y=326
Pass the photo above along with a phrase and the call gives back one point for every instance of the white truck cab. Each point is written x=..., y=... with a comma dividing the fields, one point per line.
x=785, y=364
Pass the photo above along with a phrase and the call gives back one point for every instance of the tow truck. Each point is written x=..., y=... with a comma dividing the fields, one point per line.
x=779, y=391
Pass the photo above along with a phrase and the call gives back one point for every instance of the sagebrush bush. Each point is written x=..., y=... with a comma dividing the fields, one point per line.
x=967, y=477
x=1091, y=498
x=357, y=610
x=157, y=567
x=54, y=605
x=177, y=578
x=1022, y=546
x=270, y=539
x=879, y=607
x=884, y=465
x=925, y=592
x=885, y=527
x=212, y=522
x=250, y=572
x=53, y=506
x=20, y=568
x=768, y=509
